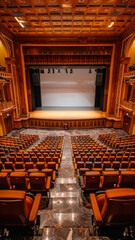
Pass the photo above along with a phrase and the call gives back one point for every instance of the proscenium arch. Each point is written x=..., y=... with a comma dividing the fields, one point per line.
x=6, y=49
x=129, y=45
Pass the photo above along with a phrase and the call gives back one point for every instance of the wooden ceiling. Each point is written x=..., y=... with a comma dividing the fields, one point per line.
x=66, y=17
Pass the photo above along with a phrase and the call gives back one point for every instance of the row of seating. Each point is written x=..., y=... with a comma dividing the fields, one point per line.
x=122, y=142
x=8, y=145
x=100, y=167
x=93, y=180
x=115, y=165
x=54, y=158
x=106, y=157
x=34, y=182
x=32, y=170
x=20, y=166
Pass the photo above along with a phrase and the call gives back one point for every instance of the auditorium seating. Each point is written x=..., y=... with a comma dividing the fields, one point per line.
x=10, y=146
x=109, y=163
x=39, y=182
x=20, y=170
x=18, y=209
x=120, y=143
x=91, y=181
x=115, y=207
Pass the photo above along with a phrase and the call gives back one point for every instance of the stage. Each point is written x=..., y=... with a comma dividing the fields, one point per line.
x=67, y=119
x=66, y=115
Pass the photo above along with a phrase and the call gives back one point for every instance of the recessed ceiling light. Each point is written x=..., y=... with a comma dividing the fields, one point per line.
x=19, y=22
x=110, y=25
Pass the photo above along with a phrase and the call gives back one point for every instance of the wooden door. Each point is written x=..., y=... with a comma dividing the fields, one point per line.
x=126, y=123
x=8, y=124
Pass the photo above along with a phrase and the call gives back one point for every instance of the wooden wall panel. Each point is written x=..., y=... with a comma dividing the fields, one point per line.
x=69, y=124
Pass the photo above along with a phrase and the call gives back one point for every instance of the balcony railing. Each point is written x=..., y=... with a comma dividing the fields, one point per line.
x=7, y=105
x=128, y=105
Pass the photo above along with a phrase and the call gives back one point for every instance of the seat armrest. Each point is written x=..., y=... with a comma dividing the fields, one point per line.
x=56, y=166
x=95, y=208
x=54, y=175
x=35, y=207
x=48, y=182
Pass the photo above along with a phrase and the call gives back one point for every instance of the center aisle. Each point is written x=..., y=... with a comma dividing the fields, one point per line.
x=66, y=218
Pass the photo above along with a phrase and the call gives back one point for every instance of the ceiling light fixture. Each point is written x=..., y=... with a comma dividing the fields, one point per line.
x=19, y=22
x=110, y=25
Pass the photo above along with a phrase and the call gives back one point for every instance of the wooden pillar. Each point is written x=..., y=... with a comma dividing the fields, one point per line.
x=29, y=87
x=121, y=85
x=11, y=62
x=113, y=80
x=21, y=81
x=106, y=88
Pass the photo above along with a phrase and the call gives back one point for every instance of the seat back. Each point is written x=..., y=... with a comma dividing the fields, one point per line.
x=4, y=181
x=80, y=165
x=116, y=165
x=9, y=165
x=12, y=208
x=40, y=165
x=92, y=180
x=52, y=165
x=37, y=181
x=127, y=179
x=110, y=179
x=119, y=207
x=18, y=180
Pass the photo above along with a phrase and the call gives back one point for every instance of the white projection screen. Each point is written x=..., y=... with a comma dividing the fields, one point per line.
x=75, y=89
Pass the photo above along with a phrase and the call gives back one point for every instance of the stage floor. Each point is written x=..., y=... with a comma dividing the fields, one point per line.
x=66, y=115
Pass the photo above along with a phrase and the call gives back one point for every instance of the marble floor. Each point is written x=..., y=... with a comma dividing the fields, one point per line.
x=67, y=216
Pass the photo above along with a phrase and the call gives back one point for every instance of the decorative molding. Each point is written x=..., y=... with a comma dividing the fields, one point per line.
x=5, y=106
x=128, y=105
x=10, y=45
x=6, y=75
x=130, y=30
x=67, y=60
x=67, y=124
x=129, y=74
x=67, y=50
